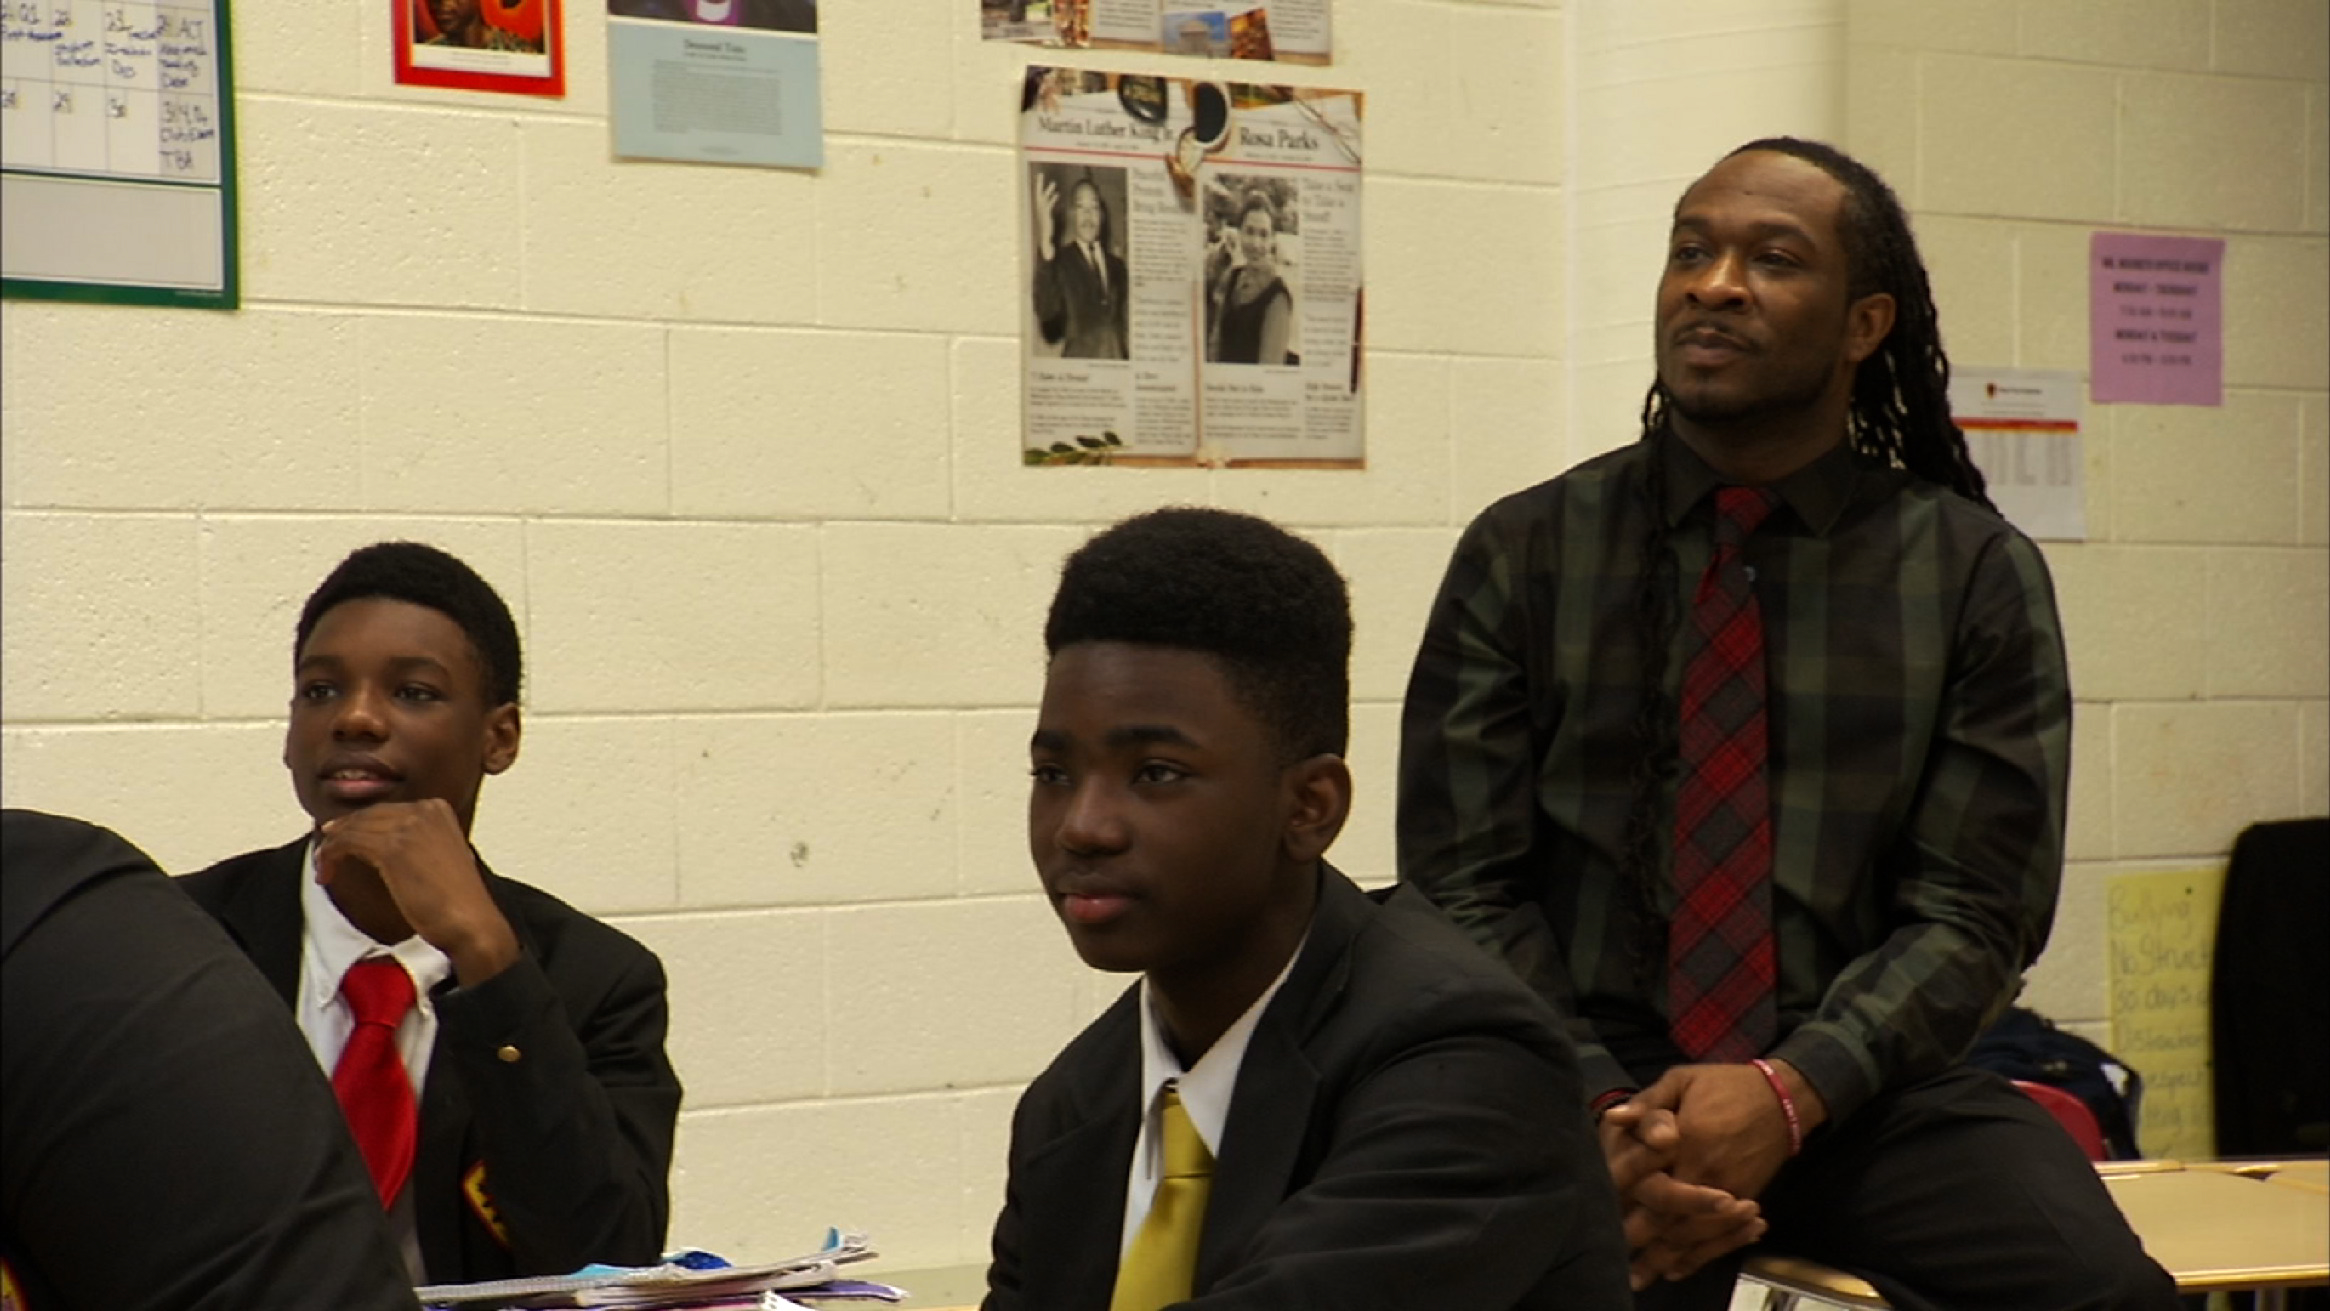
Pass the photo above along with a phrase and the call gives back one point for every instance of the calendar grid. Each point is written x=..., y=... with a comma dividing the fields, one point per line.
x=99, y=93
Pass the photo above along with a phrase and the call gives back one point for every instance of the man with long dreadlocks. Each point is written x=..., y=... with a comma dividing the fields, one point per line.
x=1746, y=746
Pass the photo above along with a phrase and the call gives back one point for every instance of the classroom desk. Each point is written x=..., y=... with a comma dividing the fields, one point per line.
x=2214, y=1229
x=2304, y=1174
x=947, y=1288
x=2216, y=1225
x=2213, y=1226
x=2312, y=1173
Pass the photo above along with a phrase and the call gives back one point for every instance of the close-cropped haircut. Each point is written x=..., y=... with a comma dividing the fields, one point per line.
x=425, y=576
x=1264, y=603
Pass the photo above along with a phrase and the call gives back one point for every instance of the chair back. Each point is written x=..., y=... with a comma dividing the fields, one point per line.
x=2070, y=1112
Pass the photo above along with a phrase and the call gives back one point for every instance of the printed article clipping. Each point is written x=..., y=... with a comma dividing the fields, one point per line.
x=1292, y=31
x=1194, y=292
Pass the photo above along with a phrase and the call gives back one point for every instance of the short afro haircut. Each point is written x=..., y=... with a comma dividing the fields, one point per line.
x=425, y=576
x=1262, y=601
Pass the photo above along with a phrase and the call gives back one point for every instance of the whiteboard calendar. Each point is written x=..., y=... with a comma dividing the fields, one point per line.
x=117, y=151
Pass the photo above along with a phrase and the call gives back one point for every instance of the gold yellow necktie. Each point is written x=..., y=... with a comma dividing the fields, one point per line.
x=1158, y=1270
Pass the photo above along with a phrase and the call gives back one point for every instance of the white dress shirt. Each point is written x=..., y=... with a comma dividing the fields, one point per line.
x=329, y=944
x=1205, y=1092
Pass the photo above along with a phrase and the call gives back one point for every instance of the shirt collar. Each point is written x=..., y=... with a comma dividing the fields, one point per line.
x=1205, y=1088
x=332, y=944
x=1817, y=492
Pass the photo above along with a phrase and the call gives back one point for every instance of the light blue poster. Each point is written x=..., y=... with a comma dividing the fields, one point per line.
x=716, y=81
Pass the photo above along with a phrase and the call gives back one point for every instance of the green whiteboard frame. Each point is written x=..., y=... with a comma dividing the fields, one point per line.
x=229, y=295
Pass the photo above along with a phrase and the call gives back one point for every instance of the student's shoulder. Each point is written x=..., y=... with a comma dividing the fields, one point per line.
x=1409, y=936
x=51, y=859
x=1108, y=1049
x=1101, y=1041
x=1415, y=976
x=562, y=933
x=213, y=886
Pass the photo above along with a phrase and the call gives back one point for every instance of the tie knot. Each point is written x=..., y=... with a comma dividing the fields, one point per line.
x=1183, y=1152
x=1738, y=510
x=378, y=990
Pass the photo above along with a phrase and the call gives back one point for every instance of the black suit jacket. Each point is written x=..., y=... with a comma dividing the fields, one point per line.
x=1088, y=320
x=1407, y=1130
x=166, y=1140
x=574, y=1137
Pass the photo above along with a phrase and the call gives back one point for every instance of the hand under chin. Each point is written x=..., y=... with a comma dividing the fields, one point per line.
x=356, y=888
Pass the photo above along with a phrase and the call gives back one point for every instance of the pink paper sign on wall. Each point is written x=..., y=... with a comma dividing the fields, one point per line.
x=2156, y=319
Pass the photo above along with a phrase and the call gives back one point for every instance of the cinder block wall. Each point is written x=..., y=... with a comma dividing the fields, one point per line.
x=740, y=448
x=2195, y=612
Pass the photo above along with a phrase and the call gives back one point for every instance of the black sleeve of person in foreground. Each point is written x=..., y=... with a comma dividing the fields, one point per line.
x=166, y=1137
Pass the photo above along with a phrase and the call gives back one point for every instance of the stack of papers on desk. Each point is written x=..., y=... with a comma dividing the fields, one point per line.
x=673, y=1285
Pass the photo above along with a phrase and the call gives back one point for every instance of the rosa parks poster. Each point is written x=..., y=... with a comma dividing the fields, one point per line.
x=1193, y=288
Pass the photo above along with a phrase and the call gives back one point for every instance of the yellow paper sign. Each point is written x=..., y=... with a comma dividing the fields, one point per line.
x=2163, y=937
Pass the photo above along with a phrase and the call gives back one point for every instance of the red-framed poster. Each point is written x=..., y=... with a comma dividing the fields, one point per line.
x=514, y=46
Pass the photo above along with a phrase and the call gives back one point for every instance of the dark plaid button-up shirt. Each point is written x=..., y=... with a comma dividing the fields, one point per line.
x=1920, y=719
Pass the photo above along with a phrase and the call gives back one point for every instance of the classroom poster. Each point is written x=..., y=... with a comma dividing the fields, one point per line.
x=117, y=152
x=512, y=46
x=1291, y=31
x=2022, y=428
x=716, y=81
x=1194, y=291
x=2163, y=935
x=2156, y=319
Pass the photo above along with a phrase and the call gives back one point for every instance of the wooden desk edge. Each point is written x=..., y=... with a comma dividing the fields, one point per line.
x=2249, y=1277
x=2305, y=1173
x=1798, y=1275
x=2115, y=1169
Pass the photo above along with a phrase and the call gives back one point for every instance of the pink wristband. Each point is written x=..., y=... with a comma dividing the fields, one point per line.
x=1787, y=1104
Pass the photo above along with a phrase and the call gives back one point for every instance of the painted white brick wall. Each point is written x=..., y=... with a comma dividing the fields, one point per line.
x=2198, y=612
x=269, y=394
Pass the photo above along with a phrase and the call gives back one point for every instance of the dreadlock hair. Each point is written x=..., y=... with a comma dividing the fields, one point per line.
x=1899, y=415
x=422, y=575
x=1264, y=603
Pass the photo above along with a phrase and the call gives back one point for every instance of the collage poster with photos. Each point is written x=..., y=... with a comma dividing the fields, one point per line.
x=1291, y=31
x=1194, y=293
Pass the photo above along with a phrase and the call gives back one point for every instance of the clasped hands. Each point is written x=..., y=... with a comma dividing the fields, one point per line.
x=1690, y=1154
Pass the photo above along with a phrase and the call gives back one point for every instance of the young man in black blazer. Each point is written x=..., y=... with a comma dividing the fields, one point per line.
x=1374, y=1096
x=545, y=1101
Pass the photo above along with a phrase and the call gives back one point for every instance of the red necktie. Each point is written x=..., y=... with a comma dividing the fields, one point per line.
x=1720, y=961
x=375, y=1093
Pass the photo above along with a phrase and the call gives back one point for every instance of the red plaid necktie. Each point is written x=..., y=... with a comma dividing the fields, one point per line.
x=1720, y=964
x=375, y=1093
